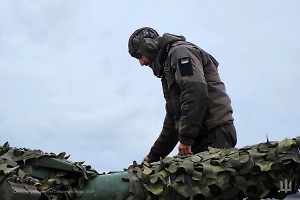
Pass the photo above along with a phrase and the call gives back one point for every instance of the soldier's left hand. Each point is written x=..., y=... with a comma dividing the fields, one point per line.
x=184, y=149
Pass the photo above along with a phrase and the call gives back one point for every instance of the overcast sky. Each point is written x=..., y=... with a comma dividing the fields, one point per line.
x=67, y=82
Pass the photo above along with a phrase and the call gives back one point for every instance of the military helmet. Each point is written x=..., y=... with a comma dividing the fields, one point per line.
x=145, y=41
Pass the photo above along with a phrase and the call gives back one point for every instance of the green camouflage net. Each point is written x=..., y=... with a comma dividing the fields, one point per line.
x=24, y=166
x=266, y=170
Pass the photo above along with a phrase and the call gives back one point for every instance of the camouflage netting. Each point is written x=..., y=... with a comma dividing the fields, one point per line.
x=253, y=172
x=18, y=165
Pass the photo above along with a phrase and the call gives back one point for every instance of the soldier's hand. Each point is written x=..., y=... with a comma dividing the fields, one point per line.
x=184, y=149
x=146, y=159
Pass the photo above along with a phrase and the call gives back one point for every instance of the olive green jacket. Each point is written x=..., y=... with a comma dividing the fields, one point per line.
x=196, y=99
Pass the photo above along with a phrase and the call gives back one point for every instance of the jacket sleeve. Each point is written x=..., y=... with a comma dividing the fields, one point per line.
x=189, y=75
x=166, y=141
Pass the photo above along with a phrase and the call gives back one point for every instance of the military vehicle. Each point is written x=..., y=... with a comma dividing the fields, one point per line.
x=268, y=170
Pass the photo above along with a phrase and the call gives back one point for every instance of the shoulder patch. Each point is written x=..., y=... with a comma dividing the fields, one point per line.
x=185, y=66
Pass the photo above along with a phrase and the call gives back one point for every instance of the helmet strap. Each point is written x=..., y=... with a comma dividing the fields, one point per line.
x=157, y=68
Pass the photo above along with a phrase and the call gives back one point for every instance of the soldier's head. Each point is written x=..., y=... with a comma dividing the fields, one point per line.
x=143, y=45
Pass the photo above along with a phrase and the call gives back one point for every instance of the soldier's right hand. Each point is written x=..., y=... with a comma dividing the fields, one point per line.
x=146, y=159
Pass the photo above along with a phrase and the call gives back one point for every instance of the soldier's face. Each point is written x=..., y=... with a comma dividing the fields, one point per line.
x=143, y=60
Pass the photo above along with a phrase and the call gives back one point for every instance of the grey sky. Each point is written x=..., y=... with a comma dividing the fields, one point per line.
x=67, y=82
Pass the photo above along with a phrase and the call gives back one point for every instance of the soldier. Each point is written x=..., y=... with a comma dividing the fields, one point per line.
x=198, y=109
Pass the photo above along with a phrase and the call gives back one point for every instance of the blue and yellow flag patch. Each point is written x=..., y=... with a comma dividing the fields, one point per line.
x=185, y=66
x=185, y=60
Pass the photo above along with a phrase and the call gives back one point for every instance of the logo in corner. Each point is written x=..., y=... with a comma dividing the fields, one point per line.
x=286, y=186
